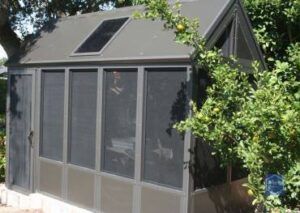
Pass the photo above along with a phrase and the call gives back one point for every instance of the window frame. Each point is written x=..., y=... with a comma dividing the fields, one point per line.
x=41, y=127
x=105, y=71
x=70, y=111
x=170, y=69
x=137, y=182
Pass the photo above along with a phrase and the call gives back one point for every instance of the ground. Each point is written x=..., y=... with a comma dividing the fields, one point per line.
x=7, y=209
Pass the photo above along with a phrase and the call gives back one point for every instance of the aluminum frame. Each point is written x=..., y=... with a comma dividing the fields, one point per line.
x=137, y=182
x=103, y=96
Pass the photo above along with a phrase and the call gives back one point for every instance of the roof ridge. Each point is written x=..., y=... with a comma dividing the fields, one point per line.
x=103, y=12
x=114, y=10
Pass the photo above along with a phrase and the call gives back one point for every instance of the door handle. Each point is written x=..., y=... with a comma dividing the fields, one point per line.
x=30, y=138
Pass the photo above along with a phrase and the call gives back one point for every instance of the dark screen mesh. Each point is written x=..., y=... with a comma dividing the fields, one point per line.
x=166, y=104
x=101, y=35
x=223, y=42
x=206, y=168
x=120, y=121
x=238, y=171
x=20, y=121
x=82, y=129
x=52, y=107
x=243, y=50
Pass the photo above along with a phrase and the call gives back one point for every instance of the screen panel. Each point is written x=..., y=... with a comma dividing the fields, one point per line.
x=207, y=171
x=101, y=35
x=119, y=121
x=52, y=109
x=19, y=128
x=166, y=104
x=82, y=126
x=243, y=50
x=224, y=41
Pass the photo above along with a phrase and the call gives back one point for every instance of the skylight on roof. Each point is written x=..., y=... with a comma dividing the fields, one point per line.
x=101, y=36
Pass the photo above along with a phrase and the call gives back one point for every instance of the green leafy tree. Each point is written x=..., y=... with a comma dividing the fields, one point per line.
x=276, y=25
x=270, y=118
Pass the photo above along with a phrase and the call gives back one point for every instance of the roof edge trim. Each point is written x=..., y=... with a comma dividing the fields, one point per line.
x=182, y=58
x=218, y=19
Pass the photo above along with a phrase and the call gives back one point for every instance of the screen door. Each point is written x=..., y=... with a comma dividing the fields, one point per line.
x=20, y=130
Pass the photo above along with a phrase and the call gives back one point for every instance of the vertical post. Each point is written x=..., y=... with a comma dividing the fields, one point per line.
x=99, y=119
x=97, y=196
x=139, y=140
x=235, y=35
x=7, y=174
x=65, y=133
x=229, y=173
x=37, y=128
x=187, y=184
x=32, y=128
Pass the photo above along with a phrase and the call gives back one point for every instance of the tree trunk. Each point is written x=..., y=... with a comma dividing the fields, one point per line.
x=8, y=38
x=229, y=173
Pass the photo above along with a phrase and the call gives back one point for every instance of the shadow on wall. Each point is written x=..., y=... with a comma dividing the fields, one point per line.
x=14, y=98
x=205, y=167
x=179, y=108
x=231, y=198
x=212, y=193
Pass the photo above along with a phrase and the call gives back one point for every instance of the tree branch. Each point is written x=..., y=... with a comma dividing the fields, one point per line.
x=8, y=38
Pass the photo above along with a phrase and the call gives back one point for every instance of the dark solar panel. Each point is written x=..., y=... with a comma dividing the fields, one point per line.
x=99, y=38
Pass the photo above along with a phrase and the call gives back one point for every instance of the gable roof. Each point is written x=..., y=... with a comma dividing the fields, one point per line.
x=137, y=40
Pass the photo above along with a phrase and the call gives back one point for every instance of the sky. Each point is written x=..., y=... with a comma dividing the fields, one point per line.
x=2, y=53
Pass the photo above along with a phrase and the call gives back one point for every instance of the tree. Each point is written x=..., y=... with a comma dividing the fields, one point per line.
x=276, y=25
x=18, y=14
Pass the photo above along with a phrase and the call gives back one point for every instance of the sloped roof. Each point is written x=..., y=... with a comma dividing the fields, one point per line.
x=139, y=39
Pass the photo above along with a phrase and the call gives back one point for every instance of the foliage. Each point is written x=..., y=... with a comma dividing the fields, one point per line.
x=3, y=85
x=2, y=149
x=2, y=61
x=270, y=119
x=249, y=117
x=276, y=25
